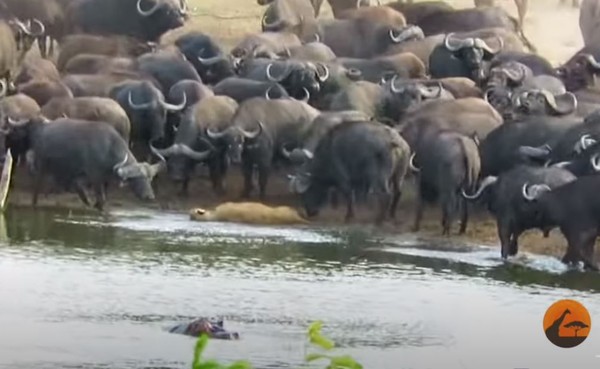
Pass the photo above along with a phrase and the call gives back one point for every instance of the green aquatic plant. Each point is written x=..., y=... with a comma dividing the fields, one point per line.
x=199, y=363
x=315, y=338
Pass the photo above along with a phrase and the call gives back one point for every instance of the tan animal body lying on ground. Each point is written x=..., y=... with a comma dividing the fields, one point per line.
x=248, y=212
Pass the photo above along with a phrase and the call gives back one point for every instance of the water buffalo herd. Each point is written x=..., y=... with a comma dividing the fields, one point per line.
x=458, y=99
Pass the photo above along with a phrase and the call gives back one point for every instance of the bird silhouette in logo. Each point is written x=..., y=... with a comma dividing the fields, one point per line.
x=567, y=323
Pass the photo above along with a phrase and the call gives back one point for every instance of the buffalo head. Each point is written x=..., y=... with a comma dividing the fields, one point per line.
x=138, y=176
x=147, y=108
x=472, y=52
x=25, y=33
x=182, y=157
x=301, y=80
x=579, y=72
x=313, y=196
x=403, y=95
x=163, y=15
x=237, y=140
x=540, y=101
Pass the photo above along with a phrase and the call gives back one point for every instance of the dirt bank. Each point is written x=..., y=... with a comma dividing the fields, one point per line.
x=481, y=230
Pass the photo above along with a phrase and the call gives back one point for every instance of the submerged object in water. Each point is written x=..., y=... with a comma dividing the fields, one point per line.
x=248, y=212
x=212, y=328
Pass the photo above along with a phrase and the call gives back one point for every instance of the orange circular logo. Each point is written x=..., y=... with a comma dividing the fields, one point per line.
x=567, y=323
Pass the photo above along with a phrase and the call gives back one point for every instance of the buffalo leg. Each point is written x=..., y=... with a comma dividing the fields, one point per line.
x=333, y=199
x=185, y=184
x=263, y=179
x=464, y=215
x=349, y=196
x=418, y=212
x=396, y=195
x=578, y=240
x=505, y=234
x=513, y=245
x=81, y=193
x=384, y=205
x=247, y=171
x=216, y=177
x=100, y=197
x=37, y=186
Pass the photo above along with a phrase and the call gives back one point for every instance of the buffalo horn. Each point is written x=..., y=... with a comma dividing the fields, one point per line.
x=270, y=76
x=285, y=152
x=322, y=77
x=591, y=60
x=149, y=12
x=488, y=94
x=393, y=87
x=195, y=155
x=595, y=162
x=306, y=97
x=138, y=106
x=162, y=153
x=183, y=6
x=121, y=164
x=483, y=45
x=209, y=61
x=3, y=88
x=406, y=33
x=432, y=92
x=454, y=44
x=267, y=96
x=17, y=123
x=413, y=167
x=571, y=100
x=216, y=135
x=584, y=143
x=270, y=26
x=516, y=74
x=253, y=134
x=487, y=181
x=530, y=193
x=172, y=107
x=40, y=26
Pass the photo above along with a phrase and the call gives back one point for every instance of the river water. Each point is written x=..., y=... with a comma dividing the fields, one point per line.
x=80, y=290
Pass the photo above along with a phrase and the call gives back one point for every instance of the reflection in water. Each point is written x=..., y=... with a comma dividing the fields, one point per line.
x=85, y=290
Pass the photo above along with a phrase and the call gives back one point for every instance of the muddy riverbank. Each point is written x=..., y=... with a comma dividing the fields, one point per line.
x=481, y=229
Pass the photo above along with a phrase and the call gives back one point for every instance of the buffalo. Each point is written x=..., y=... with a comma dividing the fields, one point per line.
x=573, y=208
x=115, y=46
x=462, y=58
x=77, y=154
x=355, y=157
x=99, y=109
x=241, y=89
x=261, y=129
x=503, y=195
x=193, y=145
x=445, y=172
x=207, y=57
x=146, y=108
x=146, y=20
